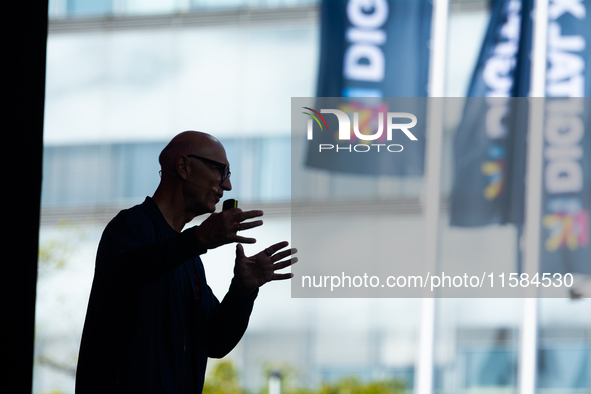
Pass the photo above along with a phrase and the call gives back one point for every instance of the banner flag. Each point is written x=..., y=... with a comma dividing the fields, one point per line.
x=566, y=199
x=373, y=50
x=483, y=142
x=566, y=190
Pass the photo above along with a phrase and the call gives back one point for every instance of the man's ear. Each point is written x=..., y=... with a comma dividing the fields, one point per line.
x=182, y=167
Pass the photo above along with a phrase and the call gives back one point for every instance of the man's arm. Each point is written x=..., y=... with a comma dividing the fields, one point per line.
x=129, y=257
x=229, y=322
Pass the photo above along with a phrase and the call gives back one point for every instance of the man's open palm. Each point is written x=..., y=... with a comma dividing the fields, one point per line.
x=254, y=271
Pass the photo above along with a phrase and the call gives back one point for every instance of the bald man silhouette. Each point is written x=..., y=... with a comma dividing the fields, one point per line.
x=152, y=321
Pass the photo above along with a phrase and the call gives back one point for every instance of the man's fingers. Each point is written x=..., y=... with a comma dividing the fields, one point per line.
x=248, y=225
x=283, y=254
x=249, y=215
x=283, y=264
x=245, y=240
x=281, y=276
x=274, y=248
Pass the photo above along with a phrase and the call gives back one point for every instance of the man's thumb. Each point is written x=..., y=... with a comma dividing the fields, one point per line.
x=239, y=251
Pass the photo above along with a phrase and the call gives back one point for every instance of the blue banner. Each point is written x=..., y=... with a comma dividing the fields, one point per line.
x=566, y=190
x=372, y=49
x=483, y=144
x=566, y=200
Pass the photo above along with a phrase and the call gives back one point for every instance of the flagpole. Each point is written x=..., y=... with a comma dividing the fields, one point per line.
x=431, y=197
x=533, y=198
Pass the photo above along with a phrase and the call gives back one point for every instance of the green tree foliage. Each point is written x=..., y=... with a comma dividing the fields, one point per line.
x=351, y=385
x=224, y=379
x=55, y=253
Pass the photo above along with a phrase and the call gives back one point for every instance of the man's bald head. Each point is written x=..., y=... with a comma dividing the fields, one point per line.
x=195, y=174
x=185, y=143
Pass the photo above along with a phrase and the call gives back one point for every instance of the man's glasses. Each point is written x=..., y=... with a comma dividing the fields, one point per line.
x=224, y=169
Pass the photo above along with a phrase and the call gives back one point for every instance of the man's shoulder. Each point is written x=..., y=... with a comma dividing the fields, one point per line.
x=141, y=213
x=138, y=221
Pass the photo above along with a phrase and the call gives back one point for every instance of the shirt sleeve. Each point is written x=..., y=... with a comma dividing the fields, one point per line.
x=229, y=321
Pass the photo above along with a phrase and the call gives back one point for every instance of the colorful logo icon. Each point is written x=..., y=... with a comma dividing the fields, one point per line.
x=568, y=224
x=315, y=117
x=494, y=169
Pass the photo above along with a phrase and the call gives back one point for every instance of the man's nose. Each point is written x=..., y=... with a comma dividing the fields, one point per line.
x=226, y=184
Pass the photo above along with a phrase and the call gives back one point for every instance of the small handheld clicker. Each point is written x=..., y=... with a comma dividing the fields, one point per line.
x=229, y=204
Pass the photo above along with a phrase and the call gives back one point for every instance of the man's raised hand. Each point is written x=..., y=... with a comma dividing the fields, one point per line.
x=222, y=228
x=250, y=273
